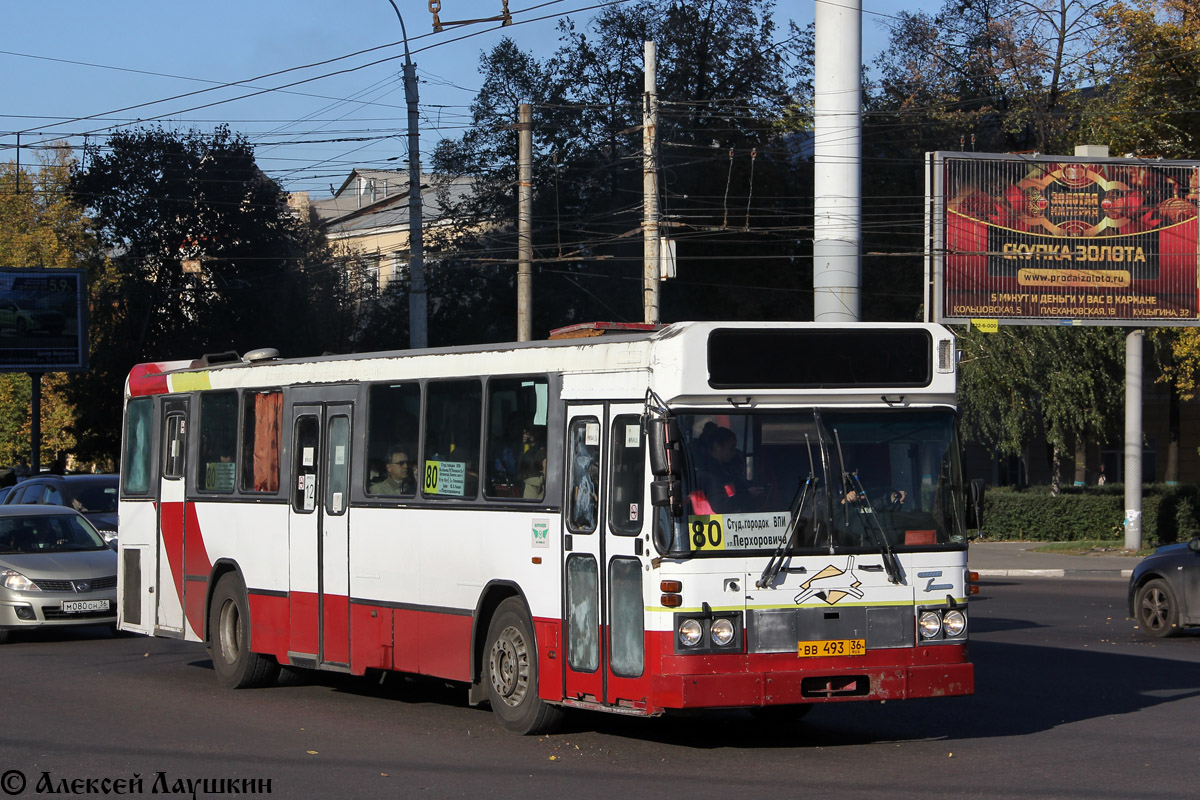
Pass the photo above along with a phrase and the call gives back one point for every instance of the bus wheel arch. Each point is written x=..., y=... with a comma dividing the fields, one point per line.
x=228, y=635
x=490, y=599
x=510, y=671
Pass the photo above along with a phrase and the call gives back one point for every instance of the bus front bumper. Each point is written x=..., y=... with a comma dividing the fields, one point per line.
x=752, y=689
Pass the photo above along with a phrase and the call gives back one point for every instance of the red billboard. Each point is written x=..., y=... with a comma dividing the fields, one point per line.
x=1063, y=240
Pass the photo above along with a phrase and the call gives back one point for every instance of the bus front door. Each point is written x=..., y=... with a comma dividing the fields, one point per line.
x=603, y=607
x=319, y=536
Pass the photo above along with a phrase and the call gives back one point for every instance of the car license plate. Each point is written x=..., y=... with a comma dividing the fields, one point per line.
x=79, y=606
x=831, y=647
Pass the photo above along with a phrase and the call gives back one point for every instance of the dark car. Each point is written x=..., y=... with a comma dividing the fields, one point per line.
x=55, y=569
x=94, y=496
x=1164, y=590
x=22, y=320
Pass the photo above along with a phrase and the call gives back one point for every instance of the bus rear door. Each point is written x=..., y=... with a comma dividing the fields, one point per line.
x=172, y=515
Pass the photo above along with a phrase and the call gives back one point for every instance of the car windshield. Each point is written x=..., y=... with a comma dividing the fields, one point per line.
x=853, y=481
x=94, y=499
x=60, y=533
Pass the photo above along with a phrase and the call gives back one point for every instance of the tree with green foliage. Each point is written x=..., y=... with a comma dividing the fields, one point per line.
x=731, y=187
x=163, y=199
x=1059, y=384
x=40, y=227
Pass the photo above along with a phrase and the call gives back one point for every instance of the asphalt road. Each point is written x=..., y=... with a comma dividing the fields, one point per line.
x=1070, y=702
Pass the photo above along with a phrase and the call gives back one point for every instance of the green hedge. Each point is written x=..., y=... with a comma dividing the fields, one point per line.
x=1169, y=513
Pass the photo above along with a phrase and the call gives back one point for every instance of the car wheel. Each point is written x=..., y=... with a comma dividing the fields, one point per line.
x=510, y=672
x=1157, y=611
x=229, y=637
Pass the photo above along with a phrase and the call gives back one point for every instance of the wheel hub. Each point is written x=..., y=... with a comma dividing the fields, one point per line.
x=508, y=667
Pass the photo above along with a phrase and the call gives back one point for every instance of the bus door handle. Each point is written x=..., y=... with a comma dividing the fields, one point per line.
x=870, y=567
x=567, y=543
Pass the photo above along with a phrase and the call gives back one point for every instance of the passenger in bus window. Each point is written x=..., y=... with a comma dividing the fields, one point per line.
x=535, y=483
x=399, y=481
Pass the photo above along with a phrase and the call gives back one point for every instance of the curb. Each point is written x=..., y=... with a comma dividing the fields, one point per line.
x=1110, y=574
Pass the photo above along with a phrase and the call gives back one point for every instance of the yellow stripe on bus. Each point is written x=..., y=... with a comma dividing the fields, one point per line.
x=189, y=381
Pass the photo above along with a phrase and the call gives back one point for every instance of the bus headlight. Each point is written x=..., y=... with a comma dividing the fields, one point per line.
x=955, y=622
x=722, y=631
x=690, y=633
x=929, y=624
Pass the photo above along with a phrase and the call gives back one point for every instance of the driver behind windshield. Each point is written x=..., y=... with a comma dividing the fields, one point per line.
x=720, y=468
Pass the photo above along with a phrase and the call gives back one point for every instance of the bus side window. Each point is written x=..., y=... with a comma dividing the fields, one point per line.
x=583, y=462
x=135, y=469
x=262, y=427
x=450, y=466
x=218, y=441
x=393, y=414
x=516, y=438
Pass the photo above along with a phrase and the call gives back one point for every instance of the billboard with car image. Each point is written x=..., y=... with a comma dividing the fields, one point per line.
x=43, y=320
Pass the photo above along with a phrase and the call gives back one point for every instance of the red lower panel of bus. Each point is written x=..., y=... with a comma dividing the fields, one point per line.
x=366, y=637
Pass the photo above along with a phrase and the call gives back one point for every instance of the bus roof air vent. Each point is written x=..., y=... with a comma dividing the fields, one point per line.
x=217, y=359
x=262, y=354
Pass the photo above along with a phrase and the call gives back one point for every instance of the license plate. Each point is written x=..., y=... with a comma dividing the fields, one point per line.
x=831, y=647
x=78, y=606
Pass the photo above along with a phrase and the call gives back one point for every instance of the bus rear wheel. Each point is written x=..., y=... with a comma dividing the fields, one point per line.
x=510, y=673
x=229, y=637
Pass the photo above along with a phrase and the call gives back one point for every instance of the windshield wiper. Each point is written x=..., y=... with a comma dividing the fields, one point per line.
x=775, y=563
x=891, y=564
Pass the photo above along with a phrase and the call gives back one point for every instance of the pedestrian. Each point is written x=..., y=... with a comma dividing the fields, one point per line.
x=22, y=469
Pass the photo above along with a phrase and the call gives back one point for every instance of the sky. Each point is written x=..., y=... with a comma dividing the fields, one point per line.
x=319, y=84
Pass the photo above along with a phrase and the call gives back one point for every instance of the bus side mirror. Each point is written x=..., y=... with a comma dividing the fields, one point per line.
x=668, y=493
x=975, y=504
x=666, y=446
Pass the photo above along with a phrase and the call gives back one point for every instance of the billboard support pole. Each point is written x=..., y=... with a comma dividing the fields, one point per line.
x=1133, y=439
x=35, y=423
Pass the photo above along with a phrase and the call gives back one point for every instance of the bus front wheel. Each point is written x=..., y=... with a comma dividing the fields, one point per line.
x=511, y=673
x=229, y=636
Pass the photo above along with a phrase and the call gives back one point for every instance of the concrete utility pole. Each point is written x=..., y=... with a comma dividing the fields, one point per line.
x=417, y=301
x=1133, y=439
x=525, y=223
x=837, y=155
x=650, y=217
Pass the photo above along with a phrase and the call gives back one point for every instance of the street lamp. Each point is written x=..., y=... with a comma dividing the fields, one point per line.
x=417, y=301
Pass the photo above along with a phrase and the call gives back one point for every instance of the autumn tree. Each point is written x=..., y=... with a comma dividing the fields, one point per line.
x=40, y=227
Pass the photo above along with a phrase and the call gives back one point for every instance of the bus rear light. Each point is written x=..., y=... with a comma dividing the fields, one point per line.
x=672, y=600
x=674, y=587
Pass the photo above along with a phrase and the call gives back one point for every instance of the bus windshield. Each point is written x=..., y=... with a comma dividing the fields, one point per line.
x=852, y=481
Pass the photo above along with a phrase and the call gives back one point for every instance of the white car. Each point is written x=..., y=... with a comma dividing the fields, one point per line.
x=55, y=569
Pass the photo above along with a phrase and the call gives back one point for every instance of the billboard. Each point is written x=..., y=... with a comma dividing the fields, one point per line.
x=43, y=320
x=1046, y=240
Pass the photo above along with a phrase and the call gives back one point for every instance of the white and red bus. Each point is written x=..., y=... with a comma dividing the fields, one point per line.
x=702, y=515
